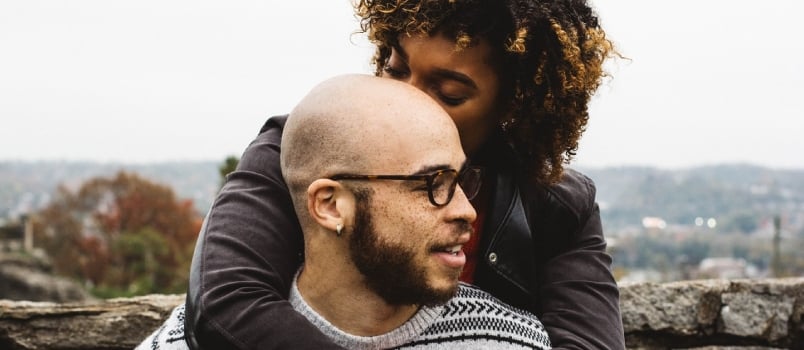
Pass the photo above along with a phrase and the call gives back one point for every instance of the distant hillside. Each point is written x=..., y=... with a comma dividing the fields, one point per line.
x=25, y=186
x=740, y=197
x=736, y=195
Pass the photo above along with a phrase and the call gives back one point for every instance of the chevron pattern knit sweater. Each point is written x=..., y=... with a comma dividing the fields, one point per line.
x=473, y=319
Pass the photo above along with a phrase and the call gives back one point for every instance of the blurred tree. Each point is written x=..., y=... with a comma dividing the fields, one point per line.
x=229, y=165
x=742, y=221
x=694, y=250
x=122, y=235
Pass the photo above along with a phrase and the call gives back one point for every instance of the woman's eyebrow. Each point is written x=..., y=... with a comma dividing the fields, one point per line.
x=457, y=76
x=441, y=73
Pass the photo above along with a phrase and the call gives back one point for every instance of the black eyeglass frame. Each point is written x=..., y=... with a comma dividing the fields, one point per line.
x=429, y=180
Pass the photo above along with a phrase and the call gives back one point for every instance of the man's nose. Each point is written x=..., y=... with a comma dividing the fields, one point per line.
x=460, y=207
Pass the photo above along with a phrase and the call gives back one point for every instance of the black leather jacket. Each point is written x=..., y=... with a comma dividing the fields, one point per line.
x=542, y=249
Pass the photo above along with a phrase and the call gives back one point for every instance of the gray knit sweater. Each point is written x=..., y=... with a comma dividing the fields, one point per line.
x=473, y=319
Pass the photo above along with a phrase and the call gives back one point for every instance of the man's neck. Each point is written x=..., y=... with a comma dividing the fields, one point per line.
x=348, y=304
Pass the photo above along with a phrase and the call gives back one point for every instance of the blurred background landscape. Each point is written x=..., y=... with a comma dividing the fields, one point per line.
x=118, y=120
x=121, y=230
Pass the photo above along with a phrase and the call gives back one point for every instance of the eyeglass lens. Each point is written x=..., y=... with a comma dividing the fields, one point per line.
x=444, y=183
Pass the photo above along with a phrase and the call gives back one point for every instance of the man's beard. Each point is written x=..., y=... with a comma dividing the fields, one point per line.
x=390, y=270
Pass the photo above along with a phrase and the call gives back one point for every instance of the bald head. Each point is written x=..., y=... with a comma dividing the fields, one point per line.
x=359, y=124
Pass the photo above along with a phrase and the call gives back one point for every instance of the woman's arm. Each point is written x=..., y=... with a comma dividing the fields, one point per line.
x=246, y=255
x=578, y=296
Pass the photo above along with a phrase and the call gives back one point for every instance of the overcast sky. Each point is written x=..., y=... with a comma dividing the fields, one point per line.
x=705, y=82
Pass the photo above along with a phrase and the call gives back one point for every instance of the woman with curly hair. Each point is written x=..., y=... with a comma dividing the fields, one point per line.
x=516, y=76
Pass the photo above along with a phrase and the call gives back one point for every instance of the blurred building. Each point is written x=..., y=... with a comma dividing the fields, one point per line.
x=728, y=268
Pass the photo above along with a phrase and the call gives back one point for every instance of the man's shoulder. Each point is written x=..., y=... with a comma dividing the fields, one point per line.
x=473, y=301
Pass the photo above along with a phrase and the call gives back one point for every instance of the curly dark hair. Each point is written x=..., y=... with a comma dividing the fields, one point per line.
x=551, y=51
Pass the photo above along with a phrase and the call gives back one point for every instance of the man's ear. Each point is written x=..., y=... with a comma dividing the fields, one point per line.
x=329, y=204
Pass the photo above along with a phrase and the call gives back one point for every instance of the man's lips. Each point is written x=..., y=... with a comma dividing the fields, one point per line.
x=451, y=258
x=451, y=254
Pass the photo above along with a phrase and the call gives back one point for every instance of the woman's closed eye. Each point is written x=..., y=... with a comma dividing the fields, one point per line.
x=451, y=100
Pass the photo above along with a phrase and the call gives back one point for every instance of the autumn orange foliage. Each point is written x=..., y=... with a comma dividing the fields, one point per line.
x=123, y=235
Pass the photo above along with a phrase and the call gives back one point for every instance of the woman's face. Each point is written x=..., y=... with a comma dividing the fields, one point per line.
x=464, y=82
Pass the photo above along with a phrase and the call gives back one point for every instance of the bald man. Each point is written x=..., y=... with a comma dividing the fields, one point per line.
x=381, y=188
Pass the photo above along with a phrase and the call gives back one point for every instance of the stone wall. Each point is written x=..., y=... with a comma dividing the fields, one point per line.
x=707, y=314
x=109, y=324
x=747, y=313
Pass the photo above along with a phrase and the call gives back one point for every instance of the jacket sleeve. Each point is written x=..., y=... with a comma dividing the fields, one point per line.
x=246, y=256
x=579, y=298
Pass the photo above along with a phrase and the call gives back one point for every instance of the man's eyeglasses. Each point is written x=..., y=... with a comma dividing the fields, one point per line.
x=440, y=184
